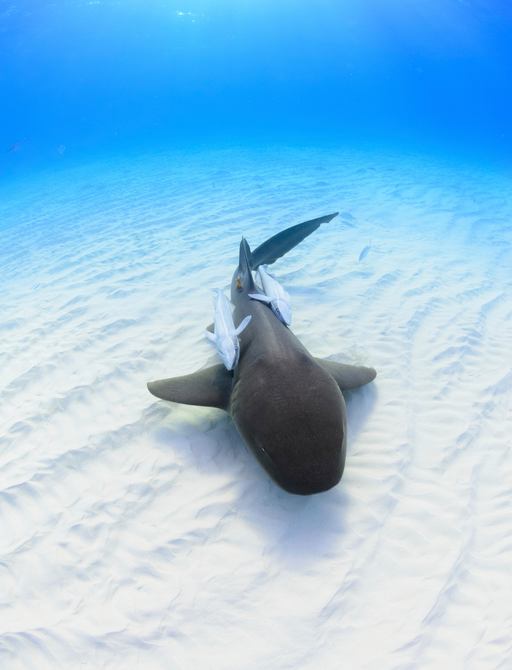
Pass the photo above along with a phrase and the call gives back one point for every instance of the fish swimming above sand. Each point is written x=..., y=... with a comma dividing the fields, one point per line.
x=364, y=252
x=287, y=405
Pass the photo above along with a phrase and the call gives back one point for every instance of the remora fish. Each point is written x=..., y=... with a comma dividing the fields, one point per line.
x=274, y=295
x=286, y=404
x=225, y=335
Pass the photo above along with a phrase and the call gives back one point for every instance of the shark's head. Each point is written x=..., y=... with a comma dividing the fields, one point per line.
x=293, y=419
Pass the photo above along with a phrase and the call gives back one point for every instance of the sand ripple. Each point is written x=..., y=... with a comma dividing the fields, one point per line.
x=137, y=534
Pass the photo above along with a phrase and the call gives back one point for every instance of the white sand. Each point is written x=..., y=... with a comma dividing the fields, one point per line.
x=140, y=534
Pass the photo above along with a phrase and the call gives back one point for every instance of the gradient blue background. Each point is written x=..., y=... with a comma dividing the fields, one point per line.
x=104, y=76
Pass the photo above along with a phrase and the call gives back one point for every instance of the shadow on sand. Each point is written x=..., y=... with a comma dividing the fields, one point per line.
x=297, y=530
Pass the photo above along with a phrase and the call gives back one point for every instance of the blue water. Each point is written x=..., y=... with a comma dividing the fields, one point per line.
x=139, y=140
x=88, y=78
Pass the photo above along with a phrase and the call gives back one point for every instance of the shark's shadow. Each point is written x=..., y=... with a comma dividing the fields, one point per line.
x=360, y=403
x=296, y=529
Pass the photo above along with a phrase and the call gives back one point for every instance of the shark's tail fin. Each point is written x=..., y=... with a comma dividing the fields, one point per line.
x=280, y=244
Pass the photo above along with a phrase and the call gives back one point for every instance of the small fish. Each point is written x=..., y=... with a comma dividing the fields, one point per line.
x=348, y=219
x=225, y=335
x=364, y=252
x=347, y=216
x=14, y=148
x=274, y=295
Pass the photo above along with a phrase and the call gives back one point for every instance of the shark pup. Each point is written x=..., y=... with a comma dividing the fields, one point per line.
x=286, y=404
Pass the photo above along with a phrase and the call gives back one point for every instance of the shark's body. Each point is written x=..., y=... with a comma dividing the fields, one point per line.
x=286, y=404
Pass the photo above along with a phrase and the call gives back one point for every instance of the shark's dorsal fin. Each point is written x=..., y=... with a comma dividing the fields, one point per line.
x=347, y=376
x=244, y=278
x=210, y=387
x=279, y=244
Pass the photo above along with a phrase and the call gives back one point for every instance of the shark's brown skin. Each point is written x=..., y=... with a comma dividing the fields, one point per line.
x=288, y=409
x=286, y=404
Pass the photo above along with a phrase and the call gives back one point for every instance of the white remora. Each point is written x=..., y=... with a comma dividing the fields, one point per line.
x=225, y=335
x=274, y=295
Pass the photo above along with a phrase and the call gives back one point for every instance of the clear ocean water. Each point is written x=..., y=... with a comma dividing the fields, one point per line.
x=139, y=140
x=83, y=79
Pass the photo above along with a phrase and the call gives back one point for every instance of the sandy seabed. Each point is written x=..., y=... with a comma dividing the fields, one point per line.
x=140, y=534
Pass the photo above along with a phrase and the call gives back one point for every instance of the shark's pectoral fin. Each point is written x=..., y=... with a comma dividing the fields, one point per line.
x=348, y=376
x=210, y=387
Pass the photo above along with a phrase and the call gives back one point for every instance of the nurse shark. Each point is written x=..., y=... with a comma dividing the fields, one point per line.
x=286, y=404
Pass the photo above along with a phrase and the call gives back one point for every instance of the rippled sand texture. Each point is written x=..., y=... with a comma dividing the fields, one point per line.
x=140, y=534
